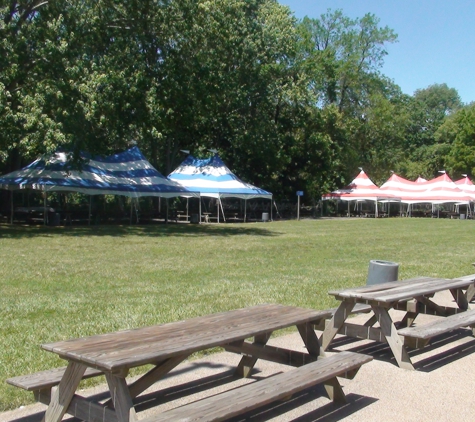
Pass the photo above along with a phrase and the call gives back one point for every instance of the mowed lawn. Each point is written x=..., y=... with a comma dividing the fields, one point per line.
x=58, y=283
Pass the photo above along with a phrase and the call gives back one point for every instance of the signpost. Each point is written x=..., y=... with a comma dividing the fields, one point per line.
x=299, y=194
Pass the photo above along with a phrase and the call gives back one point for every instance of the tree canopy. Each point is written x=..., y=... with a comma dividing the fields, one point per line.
x=289, y=104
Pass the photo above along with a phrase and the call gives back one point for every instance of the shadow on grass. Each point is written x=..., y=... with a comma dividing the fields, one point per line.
x=151, y=230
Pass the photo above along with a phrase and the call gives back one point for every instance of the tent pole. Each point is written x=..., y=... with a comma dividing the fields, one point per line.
x=199, y=207
x=376, y=208
x=131, y=211
x=11, y=202
x=245, y=210
x=222, y=210
x=271, y=209
x=90, y=210
x=44, y=209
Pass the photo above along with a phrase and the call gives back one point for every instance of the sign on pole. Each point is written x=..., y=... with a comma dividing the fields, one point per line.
x=299, y=194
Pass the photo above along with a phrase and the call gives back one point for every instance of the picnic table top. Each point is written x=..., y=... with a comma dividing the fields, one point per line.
x=120, y=350
x=395, y=291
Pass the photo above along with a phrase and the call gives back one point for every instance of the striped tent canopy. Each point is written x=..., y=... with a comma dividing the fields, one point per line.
x=404, y=190
x=361, y=188
x=466, y=185
x=442, y=190
x=439, y=190
x=127, y=173
x=212, y=178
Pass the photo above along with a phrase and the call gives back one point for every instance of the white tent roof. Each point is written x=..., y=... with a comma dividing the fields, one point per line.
x=210, y=177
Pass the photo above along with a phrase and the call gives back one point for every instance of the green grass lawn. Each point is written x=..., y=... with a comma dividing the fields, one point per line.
x=61, y=283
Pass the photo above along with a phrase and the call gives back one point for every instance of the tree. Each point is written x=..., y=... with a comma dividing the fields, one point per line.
x=458, y=131
x=341, y=53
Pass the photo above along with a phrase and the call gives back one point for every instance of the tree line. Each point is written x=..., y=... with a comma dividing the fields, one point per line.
x=288, y=104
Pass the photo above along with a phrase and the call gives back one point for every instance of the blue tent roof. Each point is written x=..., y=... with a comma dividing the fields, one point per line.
x=127, y=173
x=210, y=177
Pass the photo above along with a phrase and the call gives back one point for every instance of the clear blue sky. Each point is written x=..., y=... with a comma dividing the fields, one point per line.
x=436, y=39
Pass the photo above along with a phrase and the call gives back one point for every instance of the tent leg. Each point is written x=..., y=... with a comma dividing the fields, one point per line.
x=199, y=208
x=222, y=210
x=271, y=219
x=44, y=209
x=131, y=211
x=11, y=211
x=245, y=210
x=90, y=210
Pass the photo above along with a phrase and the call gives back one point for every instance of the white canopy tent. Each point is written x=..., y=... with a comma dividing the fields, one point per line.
x=212, y=178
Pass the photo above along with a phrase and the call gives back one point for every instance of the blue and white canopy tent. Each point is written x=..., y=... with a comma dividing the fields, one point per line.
x=127, y=173
x=212, y=178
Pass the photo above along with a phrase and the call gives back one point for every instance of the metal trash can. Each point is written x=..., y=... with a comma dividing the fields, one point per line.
x=382, y=272
x=462, y=216
x=194, y=218
x=54, y=218
x=265, y=216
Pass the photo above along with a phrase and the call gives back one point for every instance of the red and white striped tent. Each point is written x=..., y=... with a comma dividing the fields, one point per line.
x=402, y=190
x=466, y=185
x=442, y=190
x=360, y=189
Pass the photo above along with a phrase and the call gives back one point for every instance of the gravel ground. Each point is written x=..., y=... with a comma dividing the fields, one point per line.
x=440, y=389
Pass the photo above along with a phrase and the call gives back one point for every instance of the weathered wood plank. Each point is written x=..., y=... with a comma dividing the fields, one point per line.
x=251, y=396
x=310, y=339
x=154, y=375
x=336, y=323
x=64, y=392
x=132, y=348
x=271, y=353
x=395, y=342
x=82, y=408
x=46, y=379
x=362, y=332
x=247, y=362
x=442, y=325
x=121, y=400
x=460, y=298
x=404, y=290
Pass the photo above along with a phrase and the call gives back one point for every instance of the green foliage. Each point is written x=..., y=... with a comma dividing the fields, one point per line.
x=459, y=131
x=288, y=104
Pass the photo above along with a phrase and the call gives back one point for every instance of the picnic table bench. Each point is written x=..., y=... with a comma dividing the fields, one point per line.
x=414, y=297
x=167, y=345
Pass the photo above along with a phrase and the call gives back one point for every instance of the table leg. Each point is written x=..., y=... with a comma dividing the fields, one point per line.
x=392, y=337
x=154, y=375
x=460, y=298
x=407, y=320
x=337, y=321
x=310, y=340
x=62, y=395
x=121, y=400
x=247, y=362
x=470, y=292
x=334, y=390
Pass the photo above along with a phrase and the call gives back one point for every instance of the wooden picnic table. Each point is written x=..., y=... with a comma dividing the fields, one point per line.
x=167, y=345
x=414, y=296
